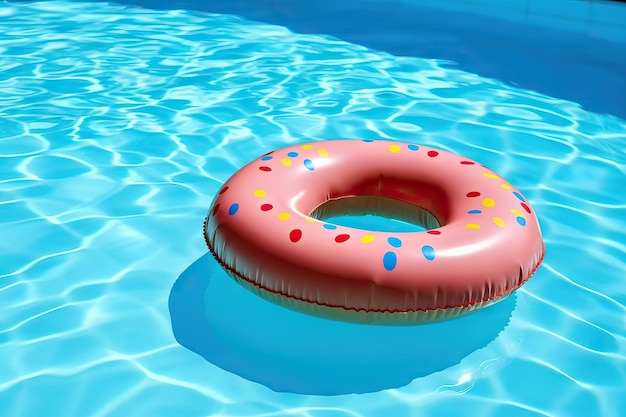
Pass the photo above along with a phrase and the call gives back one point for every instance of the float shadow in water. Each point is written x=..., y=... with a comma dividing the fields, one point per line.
x=293, y=352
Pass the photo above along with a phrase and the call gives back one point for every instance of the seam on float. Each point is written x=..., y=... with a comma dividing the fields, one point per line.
x=419, y=310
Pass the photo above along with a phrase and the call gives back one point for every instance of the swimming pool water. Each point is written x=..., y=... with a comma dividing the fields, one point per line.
x=119, y=124
x=571, y=49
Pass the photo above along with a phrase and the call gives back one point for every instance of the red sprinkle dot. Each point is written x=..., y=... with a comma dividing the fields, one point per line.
x=341, y=238
x=266, y=207
x=295, y=235
x=526, y=208
x=432, y=154
x=223, y=190
x=264, y=168
x=434, y=232
x=468, y=163
x=473, y=194
x=216, y=208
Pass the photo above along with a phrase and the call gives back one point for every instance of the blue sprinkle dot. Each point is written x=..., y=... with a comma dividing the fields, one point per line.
x=368, y=140
x=521, y=220
x=330, y=226
x=395, y=242
x=413, y=147
x=389, y=261
x=267, y=158
x=474, y=212
x=309, y=164
x=233, y=208
x=519, y=196
x=292, y=154
x=428, y=252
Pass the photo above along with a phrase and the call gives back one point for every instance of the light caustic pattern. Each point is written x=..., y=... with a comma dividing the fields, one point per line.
x=118, y=126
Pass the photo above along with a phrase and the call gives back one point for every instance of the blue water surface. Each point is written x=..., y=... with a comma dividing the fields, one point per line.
x=118, y=125
x=575, y=65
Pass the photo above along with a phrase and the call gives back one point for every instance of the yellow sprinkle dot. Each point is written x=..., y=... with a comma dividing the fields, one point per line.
x=490, y=175
x=286, y=162
x=284, y=216
x=368, y=238
x=489, y=202
x=394, y=148
x=322, y=152
x=516, y=212
x=498, y=221
x=307, y=146
x=472, y=226
x=309, y=220
x=260, y=193
x=506, y=186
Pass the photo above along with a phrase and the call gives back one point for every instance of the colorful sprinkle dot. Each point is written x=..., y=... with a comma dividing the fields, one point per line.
x=519, y=196
x=223, y=190
x=264, y=168
x=474, y=212
x=284, y=216
x=308, y=164
x=488, y=202
x=432, y=154
x=490, y=175
x=525, y=206
x=395, y=242
x=472, y=226
x=267, y=158
x=286, y=162
x=413, y=147
x=473, y=194
x=521, y=220
x=505, y=186
x=322, y=152
x=368, y=140
x=389, y=261
x=428, y=252
x=259, y=193
x=468, y=163
x=266, y=207
x=368, y=239
x=394, y=148
x=516, y=212
x=434, y=232
x=295, y=235
x=310, y=220
x=498, y=221
x=307, y=146
x=233, y=208
x=341, y=238
x=329, y=226
x=216, y=208
x=292, y=154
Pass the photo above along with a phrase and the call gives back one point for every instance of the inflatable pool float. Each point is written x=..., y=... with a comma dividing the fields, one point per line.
x=266, y=228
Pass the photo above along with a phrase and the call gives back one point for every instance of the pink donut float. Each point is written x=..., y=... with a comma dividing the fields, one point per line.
x=266, y=228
